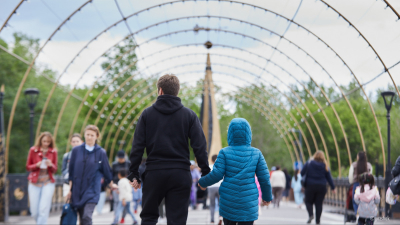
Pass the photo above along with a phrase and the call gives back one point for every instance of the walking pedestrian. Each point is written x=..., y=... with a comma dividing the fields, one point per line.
x=317, y=175
x=164, y=129
x=124, y=197
x=297, y=188
x=137, y=198
x=88, y=165
x=285, y=194
x=367, y=196
x=119, y=164
x=358, y=167
x=213, y=193
x=195, y=177
x=76, y=140
x=42, y=165
x=237, y=164
x=278, y=183
x=102, y=199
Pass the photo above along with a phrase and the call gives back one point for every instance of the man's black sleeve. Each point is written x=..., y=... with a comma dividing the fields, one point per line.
x=199, y=144
x=138, y=146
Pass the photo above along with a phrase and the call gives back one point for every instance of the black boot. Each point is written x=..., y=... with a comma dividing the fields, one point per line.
x=310, y=219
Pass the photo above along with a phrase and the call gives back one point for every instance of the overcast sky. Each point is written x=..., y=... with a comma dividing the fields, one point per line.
x=243, y=52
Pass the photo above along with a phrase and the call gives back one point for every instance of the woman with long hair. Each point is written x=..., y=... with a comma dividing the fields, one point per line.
x=297, y=188
x=317, y=175
x=42, y=165
x=88, y=165
x=358, y=167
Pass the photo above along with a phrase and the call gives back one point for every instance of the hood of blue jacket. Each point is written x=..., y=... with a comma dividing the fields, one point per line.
x=239, y=132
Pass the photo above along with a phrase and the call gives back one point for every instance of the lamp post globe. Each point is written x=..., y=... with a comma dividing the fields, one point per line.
x=31, y=96
x=388, y=99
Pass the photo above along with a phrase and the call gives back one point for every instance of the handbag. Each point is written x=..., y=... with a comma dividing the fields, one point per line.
x=68, y=215
x=394, y=185
x=390, y=197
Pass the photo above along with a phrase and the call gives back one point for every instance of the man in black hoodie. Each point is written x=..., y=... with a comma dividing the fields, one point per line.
x=164, y=129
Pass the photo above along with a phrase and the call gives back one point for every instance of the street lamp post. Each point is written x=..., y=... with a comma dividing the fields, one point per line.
x=31, y=96
x=388, y=98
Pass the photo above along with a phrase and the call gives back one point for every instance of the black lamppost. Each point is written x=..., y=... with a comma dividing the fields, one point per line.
x=388, y=98
x=31, y=96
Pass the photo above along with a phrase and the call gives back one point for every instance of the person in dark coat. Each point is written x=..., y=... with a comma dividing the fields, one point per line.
x=396, y=168
x=288, y=185
x=164, y=130
x=88, y=165
x=317, y=175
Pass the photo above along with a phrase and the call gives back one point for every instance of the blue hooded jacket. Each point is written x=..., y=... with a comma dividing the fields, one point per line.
x=237, y=165
x=86, y=168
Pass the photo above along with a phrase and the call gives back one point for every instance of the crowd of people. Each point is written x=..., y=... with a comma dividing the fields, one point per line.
x=237, y=183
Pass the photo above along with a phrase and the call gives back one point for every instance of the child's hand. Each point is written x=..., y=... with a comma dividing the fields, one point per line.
x=265, y=203
x=203, y=189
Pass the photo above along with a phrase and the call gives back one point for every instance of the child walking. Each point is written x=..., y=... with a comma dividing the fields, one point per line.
x=366, y=197
x=125, y=197
x=237, y=164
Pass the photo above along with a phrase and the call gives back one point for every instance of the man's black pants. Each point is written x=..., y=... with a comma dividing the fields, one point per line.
x=172, y=184
x=315, y=195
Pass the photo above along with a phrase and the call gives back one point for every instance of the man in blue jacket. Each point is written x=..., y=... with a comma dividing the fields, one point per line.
x=164, y=129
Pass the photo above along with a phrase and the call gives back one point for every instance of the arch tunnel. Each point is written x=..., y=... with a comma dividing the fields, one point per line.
x=306, y=74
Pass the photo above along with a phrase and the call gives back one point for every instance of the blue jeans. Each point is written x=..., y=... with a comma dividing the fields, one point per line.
x=120, y=209
x=40, y=201
x=355, y=206
x=100, y=204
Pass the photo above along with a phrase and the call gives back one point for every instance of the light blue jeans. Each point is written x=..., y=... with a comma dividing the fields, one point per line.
x=40, y=201
x=120, y=209
x=100, y=204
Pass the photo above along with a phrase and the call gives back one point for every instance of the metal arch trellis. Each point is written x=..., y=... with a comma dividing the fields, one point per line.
x=275, y=48
x=322, y=1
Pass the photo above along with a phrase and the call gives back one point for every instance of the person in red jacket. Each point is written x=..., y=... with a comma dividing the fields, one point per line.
x=42, y=165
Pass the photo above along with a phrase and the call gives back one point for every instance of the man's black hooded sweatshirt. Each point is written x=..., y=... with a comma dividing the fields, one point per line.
x=164, y=129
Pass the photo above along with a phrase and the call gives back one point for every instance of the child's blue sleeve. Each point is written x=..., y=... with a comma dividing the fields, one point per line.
x=216, y=174
x=263, y=178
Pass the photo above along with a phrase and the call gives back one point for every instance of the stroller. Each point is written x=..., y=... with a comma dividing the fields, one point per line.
x=349, y=214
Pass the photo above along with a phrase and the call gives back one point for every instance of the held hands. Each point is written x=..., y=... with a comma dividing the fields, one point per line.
x=135, y=184
x=203, y=189
x=265, y=203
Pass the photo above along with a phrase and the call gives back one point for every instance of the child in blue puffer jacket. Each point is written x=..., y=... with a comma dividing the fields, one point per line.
x=237, y=164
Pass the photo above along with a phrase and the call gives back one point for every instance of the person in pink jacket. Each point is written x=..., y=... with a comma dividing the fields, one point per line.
x=367, y=196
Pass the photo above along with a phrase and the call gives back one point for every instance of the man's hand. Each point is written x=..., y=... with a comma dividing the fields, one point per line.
x=135, y=184
x=265, y=203
x=334, y=191
x=203, y=189
x=68, y=197
x=123, y=202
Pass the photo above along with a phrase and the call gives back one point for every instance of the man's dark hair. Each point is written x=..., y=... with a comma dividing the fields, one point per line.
x=214, y=158
x=278, y=167
x=169, y=83
x=123, y=173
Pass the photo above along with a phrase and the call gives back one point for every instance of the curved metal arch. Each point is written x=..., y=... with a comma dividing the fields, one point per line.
x=12, y=13
x=14, y=106
x=392, y=8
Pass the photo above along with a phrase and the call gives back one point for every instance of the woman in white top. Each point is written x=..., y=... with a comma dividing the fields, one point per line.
x=278, y=183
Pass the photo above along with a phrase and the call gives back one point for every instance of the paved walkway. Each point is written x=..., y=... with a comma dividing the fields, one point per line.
x=286, y=214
